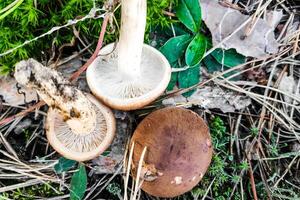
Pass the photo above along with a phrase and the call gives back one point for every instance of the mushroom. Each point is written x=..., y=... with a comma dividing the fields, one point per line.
x=179, y=151
x=129, y=74
x=77, y=125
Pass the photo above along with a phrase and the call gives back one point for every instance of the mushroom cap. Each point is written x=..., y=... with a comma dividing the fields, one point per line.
x=127, y=93
x=178, y=146
x=85, y=146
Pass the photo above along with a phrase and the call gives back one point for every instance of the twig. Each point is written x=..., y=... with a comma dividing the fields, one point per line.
x=95, y=54
x=169, y=13
x=286, y=171
x=252, y=181
x=22, y=113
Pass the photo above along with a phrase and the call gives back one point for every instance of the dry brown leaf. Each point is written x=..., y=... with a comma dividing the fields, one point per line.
x=223, y=21
x=288, y=85
x=273, y=18
x=212, y=98
x=14, y=97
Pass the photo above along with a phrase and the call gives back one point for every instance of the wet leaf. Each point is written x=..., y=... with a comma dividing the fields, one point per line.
x=15, y=94
x=224, y=22
x=78, y=183
x=174, y=48
x=189, y=13
x=196, y=50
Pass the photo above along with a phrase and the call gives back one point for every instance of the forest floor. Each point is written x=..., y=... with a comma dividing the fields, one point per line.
x=244, y=82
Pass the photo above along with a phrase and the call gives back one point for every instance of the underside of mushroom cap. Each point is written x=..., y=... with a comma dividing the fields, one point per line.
x=124, y=92
x=179, y=148
x=83, y=146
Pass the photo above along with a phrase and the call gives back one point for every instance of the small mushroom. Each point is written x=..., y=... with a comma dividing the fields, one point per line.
x=129, y=74
x=179, y=151
x=77, y=125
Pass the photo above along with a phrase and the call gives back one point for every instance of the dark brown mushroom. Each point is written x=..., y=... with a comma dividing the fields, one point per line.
x=179, y=151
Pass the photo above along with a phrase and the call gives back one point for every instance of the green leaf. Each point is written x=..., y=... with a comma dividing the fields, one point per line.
x=174, y=76
x=173, y=81
x=229, y=58
x=64, y=165
x=196, y=50
x=189, y=13
x=213, y=65
x=177, y=28
x=78, y=183
x=174, y=48
x=188, y=78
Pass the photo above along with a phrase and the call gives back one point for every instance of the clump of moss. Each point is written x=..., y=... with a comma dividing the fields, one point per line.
x=224, y=171
x=33, y=18
x=33, y=192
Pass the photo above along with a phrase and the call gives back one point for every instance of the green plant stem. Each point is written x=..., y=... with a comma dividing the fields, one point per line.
x=9, y=6
x=7, y=10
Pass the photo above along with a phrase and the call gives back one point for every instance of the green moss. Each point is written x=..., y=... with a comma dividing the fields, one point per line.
x=33, y=192
x=156, y=17
x=224, y=170
x=28, y=21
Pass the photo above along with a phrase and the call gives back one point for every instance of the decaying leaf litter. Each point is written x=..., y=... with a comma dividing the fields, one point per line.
x=258, y=152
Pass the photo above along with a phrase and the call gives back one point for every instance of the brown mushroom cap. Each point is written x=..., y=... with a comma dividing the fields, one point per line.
x=178, y=145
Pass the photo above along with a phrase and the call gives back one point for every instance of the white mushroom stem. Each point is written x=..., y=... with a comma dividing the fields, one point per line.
x=58, y=92
x=133, y=23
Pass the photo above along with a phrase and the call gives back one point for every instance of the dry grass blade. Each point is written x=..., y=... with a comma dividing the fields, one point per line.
x=138, y=184
x=127, y=168
x=20, y=185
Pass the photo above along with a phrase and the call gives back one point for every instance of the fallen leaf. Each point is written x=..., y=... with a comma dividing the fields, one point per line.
x=12, y=95
x=287, y=84
x=223, y=21
x=212, y=98
x=273, y=18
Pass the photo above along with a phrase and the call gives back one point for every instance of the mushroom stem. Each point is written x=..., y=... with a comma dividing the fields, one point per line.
x=56, y=91
x=133, y=23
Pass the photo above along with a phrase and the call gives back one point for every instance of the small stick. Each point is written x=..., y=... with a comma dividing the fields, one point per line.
x=252, y=181
x=22, y=113
x=170, y=14
x=95, y=54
